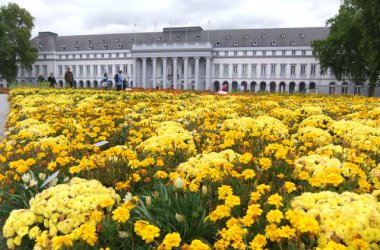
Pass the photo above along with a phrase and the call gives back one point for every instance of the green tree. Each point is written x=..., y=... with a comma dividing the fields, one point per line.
x=352, y=48
x=15, y=48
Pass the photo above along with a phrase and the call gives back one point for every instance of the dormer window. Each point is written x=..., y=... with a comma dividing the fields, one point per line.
x=264, y=36
x=40, y=47
x=197, y=37
x=75, y=41
x=293, y=43
x=158, y=38
x=283, y=35
x=116, y=40
x=217, y=44
x=88, y=41
x=236, y=43
x=246, y=36
x=105, y=46
x=76, y=47
x=302, y=35
x=228, y=36
x=63, y=47
x=131, y=39
x=119, y=46
x=90, y=47
x=254, y=43
x=38, y=41
x=102, y=41
x=177, y=37
x=273, y=43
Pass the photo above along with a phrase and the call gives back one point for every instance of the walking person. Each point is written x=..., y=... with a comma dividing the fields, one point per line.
x=104, y=81
x=69, y=77
x=52, y=81
x=119, y=83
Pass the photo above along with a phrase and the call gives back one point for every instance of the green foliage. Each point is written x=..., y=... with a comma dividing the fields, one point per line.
x=352, y=49
x=15, y=48
x=173, y=210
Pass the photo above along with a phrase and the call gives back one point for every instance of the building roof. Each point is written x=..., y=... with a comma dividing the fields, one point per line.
x=274, y=37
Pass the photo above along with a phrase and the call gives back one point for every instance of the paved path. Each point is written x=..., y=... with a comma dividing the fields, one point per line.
x=4, y=109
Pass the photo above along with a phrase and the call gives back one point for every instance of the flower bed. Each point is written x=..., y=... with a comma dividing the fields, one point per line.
x=196, y=171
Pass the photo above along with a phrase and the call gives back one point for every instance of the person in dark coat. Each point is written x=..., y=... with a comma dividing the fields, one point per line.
x=69, y=77
x=52, y=81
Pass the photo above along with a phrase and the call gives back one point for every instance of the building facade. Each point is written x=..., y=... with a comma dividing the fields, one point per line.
x=273, y=60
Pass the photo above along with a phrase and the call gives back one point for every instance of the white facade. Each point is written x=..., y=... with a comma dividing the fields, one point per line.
x=275, y=60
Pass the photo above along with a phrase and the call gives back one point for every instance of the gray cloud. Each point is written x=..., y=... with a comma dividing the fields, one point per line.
x=75, y=17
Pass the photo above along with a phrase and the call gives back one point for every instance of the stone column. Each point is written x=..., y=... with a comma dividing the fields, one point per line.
x=208, y=73
x=134, y=75
x=185, y=72
x=164, y=72
x=154, y=74
x=129, y=76
x=196, y=73
x=175, y=79
x=144, y=72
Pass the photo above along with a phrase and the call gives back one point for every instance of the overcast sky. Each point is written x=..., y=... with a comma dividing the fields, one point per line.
x=79, y=17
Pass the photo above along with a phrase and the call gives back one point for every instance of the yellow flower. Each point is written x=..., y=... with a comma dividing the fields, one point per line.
x=108, y=202
x=220, y=212
x=88, y=234
x=289, y=186
x=171, y=240
x=121, y=214
x=58, y=241
x=274, y=216
x=265, y=163
x=232, y=201
x=276, y=200
x=198, y=245
x=245, y=158
x=146, y=231
x=259, y=242
x=224, y=191
x=160, y=175
x=248, y=174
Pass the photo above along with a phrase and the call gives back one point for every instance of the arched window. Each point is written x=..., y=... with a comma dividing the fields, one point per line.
x=234, y=86
x=216, y=86
x=292, y=87
x=302, y=87
x=282, y=87
x=253, y=87
x=263, y=86
x=272, y=87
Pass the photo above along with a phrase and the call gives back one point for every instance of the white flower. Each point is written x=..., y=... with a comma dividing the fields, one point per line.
x=148, y=200
x=179, y=217
x=179, y=183
x=128, y=197
x=42, y=176
x=26, y=177
x=123, y=234
x=33, y=182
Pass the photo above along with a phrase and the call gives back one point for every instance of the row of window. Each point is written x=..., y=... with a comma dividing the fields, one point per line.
x=255, y=43
x=78, y=70
x=264, y=53
x=263, y=70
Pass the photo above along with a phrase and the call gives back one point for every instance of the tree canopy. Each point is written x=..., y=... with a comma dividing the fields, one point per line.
x=352, y=48
x=15, y=48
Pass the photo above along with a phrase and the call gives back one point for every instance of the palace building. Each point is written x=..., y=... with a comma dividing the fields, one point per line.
x=273, y=60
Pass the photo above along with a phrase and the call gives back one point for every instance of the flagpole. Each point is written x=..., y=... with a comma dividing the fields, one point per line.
x=155, y=31
x=186, y=32
x=134, y=32
x=170, y=32
x=208, y=33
